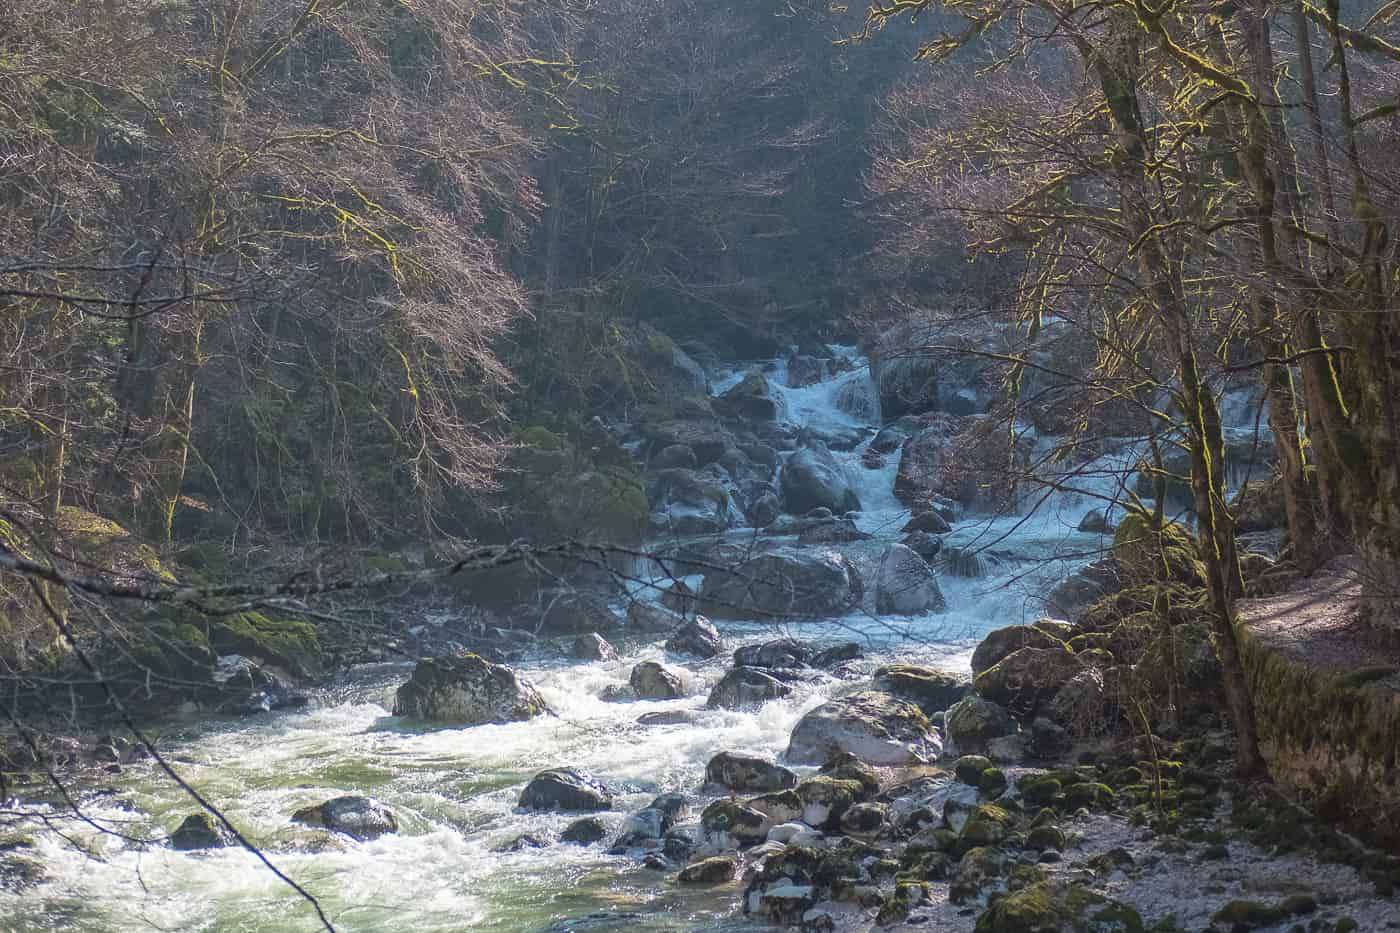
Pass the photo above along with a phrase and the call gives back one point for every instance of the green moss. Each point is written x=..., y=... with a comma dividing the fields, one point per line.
x=1247, y=915
x=286, y=643
x=1146, y=553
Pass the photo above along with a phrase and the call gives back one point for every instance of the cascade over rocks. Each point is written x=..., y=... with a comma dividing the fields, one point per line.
x=905, y=584
x=876, y=728
x=748, y=773
x=467, y=691
x=783, y=583
x=360, y=818
x=812, y=478
x=565, y=789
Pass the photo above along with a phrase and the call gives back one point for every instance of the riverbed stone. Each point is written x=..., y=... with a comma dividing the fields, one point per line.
x=745, y=688
x=565, y=789
x=1028, y=677
x=590, y=646
x=933, y=690
x=840, y=653
x=1055, y=907
x=467, y=691
x=974, y=722
x=779, y=807
x=716, y=869
x=358, y=817
x=1001, y=642
x=778, y=653
x=875, y=727
x=200, y=831
x=905, y=584
x=748, y=773
x=584, y=832
x=698, y=638
x=784, y=583
x=813, y=478
x=651, y=680
x=728, y=824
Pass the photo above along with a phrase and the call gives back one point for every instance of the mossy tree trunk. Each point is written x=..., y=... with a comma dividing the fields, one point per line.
x=1117, y=70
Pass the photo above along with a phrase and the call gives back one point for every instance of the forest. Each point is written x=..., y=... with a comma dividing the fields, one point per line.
x=690, y=465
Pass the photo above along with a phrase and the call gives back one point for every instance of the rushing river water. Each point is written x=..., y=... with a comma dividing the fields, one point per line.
x=454, y=790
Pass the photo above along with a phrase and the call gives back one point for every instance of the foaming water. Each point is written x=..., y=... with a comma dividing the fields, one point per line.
x=454, y=790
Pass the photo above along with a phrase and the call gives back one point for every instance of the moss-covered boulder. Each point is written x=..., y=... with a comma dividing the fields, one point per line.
x=289, y=644
x=1145, y=553
x=1048, y=908
x=566, y=489
x=986, y=826
x=1028, y=677
x=1001, y=642
x=714, y=870
x=933, y=690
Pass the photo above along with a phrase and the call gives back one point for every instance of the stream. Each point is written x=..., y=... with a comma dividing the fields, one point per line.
x=455, y=790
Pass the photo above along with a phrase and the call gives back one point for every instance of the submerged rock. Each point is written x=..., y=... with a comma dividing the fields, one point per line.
x=358, y=817
x=653, y=681
x=565, y=789
x=748, y=773
x=200, y=831
x=467, y=691
x=744, y=688
x=874, y=727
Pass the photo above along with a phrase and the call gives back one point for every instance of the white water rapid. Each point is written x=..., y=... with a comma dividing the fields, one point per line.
x=455, y=790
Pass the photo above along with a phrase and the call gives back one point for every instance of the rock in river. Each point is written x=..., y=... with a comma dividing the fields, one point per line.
x=785, y=582
x=565, y=789
x=812, y=478
x=746, y=687
x=467, y=691
x=748, y=773
x=653, y=681
x=200, y=831
x=698, y=638
x=358, y=817
x=877, y=728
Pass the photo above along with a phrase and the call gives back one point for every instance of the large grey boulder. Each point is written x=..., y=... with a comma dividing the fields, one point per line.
x=698, y=638
x=693, y=501
x=785, y=582
x=974, y=722
x=812, y=478
x=358, y=817
x=467, y=691
x=1027, y=677
x=565, y=789
x=998, y=643
x=779, y=653
x=653, y=681
x=745, y=688
x=748, y=773
x=905, y=584
x=877, y=728
x=751, y=398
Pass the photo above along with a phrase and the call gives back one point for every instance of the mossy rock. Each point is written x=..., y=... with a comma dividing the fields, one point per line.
x=988, y=825
x=1038, y=790
x=992, y=782
x=1146, y=553
x=969, y=768
x=1044, y=838
x=289, y=644
x=1093, y=796
x=1045, y=908
x=1248, y=915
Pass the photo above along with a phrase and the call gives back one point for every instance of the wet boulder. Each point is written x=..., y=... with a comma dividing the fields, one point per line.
x=649, y=617
x=645, y=828
x=200, y=831
x=752, y=398
x=746, y=688
x=358, y=817
x=779, y=653
x=1001, y=642
x=905, y=584
x=876, y=728
x=698, y=638
x=933, y=690
x=779, y=807
x=693, y=501
x=825, y=798
x=973, y=723
x=930, y=522
x=924, y=544
x=888, y=440
x=653, y=681
x=591, y=646
x=565, y=789
x=785, y=582
x=467, y=691
x=1095, y=521
x=728, y=824
x=713, y=870
x=748, y=773
x=584, y=832
x=812, y=478
x=836, y=654
x=921, y=463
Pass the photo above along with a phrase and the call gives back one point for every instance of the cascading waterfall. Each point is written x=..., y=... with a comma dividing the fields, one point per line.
x=455, y=789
